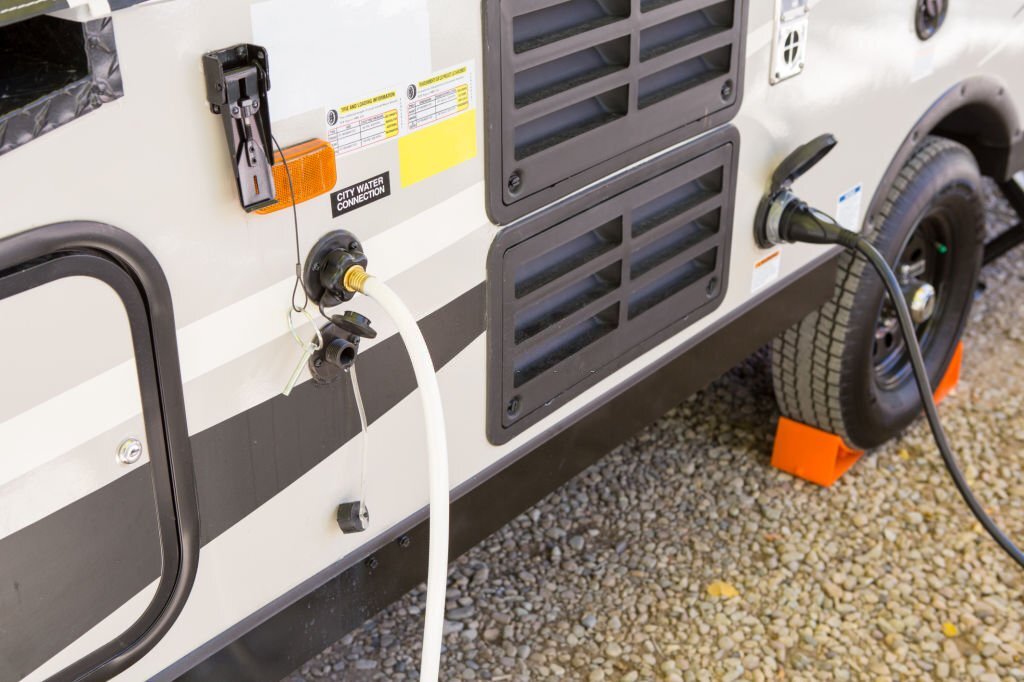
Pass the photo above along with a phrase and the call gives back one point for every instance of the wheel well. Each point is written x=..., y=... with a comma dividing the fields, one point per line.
x=977, y=113
x=989, y=132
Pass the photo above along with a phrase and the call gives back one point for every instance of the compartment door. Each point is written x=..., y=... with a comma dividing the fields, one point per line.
x=92, y=553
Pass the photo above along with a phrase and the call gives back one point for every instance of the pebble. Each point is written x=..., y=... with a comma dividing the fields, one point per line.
x=604, y=579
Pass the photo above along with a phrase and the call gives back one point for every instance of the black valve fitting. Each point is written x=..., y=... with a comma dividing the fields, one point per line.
x=341, y=344
x=323, y=273
x=341, y=352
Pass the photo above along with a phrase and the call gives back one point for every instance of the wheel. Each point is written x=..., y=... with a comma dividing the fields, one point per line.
x=845, y=369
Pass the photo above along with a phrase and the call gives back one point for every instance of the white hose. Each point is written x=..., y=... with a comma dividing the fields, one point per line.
x=437, y=471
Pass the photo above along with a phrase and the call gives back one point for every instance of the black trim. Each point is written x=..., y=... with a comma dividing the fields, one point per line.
x=279, y=638
x=977, y=112
x=102, y=85
x=117, y=258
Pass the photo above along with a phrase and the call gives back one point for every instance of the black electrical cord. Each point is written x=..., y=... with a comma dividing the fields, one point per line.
x=851, y=240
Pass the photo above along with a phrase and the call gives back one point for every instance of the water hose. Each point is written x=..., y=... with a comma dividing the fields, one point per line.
x=356, y=279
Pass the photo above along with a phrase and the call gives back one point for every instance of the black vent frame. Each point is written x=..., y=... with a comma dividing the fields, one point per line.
x=578, y=89
x=580, y=289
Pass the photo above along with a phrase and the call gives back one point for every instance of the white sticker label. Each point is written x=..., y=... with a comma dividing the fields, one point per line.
x=358, y=125
x=766, y=271
x=401, y=110
x=441, y=95
x=328, y=52
x=848, y=208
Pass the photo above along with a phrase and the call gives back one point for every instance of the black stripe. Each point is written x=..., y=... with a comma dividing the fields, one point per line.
x=66, y=568
x=244, y=461
x=63, y=574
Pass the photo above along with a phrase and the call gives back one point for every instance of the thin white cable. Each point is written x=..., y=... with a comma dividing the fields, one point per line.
x=437, y=471
x=363, y=432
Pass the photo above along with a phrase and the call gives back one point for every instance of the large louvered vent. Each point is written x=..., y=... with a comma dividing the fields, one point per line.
x=579, y=88
x=581, y=289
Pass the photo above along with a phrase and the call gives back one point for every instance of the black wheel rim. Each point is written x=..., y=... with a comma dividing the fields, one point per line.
x=925, y=257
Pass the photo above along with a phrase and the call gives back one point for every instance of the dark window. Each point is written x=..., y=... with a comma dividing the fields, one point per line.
x=53, y=71
x=37, y=57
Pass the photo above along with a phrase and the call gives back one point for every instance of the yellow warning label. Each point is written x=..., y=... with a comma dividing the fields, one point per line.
x=437, y=148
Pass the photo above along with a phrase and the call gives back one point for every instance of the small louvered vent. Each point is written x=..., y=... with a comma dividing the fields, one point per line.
x=583, y=87
x=578, y=291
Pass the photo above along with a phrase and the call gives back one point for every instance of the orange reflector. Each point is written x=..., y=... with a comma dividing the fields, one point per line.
x=313, y=173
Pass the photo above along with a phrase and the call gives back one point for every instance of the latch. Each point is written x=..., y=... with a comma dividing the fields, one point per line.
x=237, y=82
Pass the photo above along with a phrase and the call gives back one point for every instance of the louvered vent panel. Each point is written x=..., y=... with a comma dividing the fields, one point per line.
x=579, y=88
x=579, y=290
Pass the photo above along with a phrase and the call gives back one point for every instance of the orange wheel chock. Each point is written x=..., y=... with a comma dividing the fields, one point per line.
x=821, y=457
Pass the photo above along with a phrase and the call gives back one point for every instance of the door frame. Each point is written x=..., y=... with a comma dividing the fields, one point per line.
x=45, y=254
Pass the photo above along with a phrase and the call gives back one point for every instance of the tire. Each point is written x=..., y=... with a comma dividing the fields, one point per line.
x=836, y=370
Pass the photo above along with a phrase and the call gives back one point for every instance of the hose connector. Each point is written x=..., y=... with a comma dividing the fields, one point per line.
x=355, y=278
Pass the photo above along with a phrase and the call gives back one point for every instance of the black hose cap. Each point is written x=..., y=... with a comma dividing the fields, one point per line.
x=353, y=517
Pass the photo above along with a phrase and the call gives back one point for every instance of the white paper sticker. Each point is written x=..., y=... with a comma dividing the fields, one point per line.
x=402, y=109
x=323, y=52
x=923, y=64
x=441, y=95
x=766, y=271
x=848, y=208
x=364, y=123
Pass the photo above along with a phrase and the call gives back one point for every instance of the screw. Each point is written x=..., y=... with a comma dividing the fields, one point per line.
x=727, y=89
x=318, y=362
x=129, y=451
x=712, y=286
x=513, y=406
x=404, y=541
x=515, y=182
x=371, y=563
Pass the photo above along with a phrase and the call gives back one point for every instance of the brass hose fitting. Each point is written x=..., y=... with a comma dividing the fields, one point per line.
x=355, y=278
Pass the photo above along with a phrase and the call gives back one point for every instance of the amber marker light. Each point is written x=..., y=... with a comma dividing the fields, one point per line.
x=313, y=173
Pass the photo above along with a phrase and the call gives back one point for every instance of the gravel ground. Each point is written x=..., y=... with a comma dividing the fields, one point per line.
x=683, y=555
